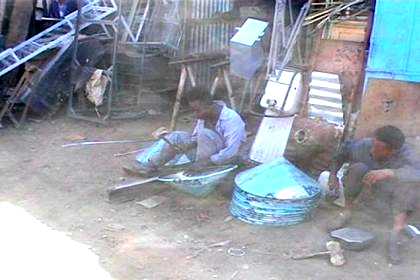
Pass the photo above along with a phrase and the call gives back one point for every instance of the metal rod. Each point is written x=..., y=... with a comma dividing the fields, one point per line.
x=128, y=153
x=133, y=10
x=74, y=62
x=143, y=20
x=92, y=143
x=229, y=89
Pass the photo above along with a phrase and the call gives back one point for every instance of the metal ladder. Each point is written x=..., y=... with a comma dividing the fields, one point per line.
x=139, y=12
x=55, y=35
x=284, y=37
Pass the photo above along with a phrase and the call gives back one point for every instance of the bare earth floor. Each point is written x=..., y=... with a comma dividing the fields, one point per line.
x=65, y=189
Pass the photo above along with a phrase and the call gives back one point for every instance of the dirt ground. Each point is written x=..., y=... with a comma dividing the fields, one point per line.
x=65, y=188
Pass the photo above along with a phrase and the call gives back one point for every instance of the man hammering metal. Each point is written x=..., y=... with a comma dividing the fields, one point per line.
x=385, y=167
x=217, y=138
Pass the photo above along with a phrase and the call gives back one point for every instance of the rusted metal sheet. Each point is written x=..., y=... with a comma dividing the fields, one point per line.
x=312, y=144
x=390, y=102
x=343, y=58
x=339, y=56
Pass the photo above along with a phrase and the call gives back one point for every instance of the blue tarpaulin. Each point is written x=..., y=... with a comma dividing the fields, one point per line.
x=395, y=45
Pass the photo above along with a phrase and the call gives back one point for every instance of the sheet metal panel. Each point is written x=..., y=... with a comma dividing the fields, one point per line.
x=205, y=33
x=390, y=102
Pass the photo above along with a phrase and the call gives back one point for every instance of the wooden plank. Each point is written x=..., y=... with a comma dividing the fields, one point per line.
x=19, y=22
x=178, y=99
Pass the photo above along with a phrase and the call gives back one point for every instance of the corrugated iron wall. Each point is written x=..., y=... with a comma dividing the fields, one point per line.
x=191, y=28
x=205, y=32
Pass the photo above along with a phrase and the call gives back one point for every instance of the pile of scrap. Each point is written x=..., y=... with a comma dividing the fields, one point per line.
x=45, y=83
x=47, y=80
x=323, y=12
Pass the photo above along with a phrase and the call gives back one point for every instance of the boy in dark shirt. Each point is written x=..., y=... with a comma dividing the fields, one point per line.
x=383, y=164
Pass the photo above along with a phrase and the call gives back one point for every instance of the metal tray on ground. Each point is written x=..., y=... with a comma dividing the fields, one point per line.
x=353, y=238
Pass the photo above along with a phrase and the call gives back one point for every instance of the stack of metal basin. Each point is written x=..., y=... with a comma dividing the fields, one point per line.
x=274, y=194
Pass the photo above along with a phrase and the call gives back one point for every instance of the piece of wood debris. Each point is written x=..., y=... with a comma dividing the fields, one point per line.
x=214, y=245
x=115, y=227
x=152, y=201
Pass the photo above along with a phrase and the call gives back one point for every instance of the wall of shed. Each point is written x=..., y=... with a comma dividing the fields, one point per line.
x=390, y=102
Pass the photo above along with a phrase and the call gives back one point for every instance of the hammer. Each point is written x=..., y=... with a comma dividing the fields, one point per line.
x=160, y=134
x=334, y=251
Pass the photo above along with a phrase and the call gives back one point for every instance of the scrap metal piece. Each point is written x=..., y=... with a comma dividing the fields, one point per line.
x=246, y=48
x=57, y=35
x=200, y=183
x=413, y=231
x=354, y=238
x=271, y=140
x=152, y=201
x=325, y=100
x=312, y=144
x=283, y=43
x=236, y=252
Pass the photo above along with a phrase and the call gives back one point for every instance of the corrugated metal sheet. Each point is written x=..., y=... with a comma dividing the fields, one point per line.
x=192, y=27
x=204, y=9
x=325, y=99
x=205, y=33
x=395, y=47
x=204, y=30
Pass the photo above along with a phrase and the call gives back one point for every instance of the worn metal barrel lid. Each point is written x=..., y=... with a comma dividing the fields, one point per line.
x=278, y=179
x=274, y=194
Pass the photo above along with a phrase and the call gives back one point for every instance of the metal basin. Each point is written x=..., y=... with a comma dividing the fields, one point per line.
x=201, y=183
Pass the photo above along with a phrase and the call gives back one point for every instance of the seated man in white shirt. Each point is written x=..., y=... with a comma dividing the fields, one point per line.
x=217, y=138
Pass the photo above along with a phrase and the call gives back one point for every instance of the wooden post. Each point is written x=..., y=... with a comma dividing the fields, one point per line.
x=179, y=94
x=214, y=85
x=229, y=89
x=191, y=76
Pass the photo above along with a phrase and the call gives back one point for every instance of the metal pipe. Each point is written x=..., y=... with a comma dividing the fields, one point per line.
x=92, y=143
x=74, y=61
x=143, y=20
x=114, y=59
